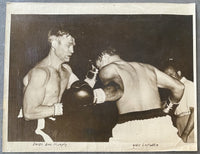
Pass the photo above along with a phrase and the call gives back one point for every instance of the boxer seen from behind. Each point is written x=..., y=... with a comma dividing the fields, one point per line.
x=46, y=82
x=134, y=87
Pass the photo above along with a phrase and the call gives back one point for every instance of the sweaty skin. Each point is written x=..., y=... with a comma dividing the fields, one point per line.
x=46, y=82
x=134, y=86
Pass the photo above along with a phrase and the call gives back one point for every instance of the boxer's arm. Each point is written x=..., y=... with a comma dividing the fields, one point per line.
x=34, y=95
x=113, y=85
x=190, y=91
x=191, y=94
x=175, y=86
x=73, y=78
x=189, y=127
x=91, y=76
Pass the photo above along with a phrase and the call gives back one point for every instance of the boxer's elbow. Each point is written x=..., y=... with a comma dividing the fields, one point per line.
x=180, y=90
x=120, y=93
x=28, y=114
x=113, y=94
x=27, y=117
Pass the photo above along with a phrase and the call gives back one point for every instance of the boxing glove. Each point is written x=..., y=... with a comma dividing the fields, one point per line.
x=91, y=75
x=82, y=93
x=170, y=106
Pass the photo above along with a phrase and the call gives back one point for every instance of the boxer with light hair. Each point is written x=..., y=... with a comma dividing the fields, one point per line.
x=45, y=83
x=184, y=113
x=134, y=87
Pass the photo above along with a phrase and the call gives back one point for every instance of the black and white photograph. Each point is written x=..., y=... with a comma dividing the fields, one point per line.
x=100, y=77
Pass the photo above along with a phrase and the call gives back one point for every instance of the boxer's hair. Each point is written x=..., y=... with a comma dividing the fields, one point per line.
x=172, y=71
x=57, y=31
x=110, y=51
x=171, y=67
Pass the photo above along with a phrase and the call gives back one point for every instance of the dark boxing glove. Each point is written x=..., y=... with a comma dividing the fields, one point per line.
x=82, y=93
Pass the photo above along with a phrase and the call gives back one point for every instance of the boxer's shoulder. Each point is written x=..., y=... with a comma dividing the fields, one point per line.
x=109, y=68
x=146, y=66
x=141, y=66
x=108, y=71
x=38, y=76
x=66, y=67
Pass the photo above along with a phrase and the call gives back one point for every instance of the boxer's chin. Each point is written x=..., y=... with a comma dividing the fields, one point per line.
x=67, y=59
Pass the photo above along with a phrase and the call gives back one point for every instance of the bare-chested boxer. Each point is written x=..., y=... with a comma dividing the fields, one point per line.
x=134, y=87
x=45, y=83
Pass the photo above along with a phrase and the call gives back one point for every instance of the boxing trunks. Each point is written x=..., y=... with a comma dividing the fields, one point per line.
x=46, y=128
x=152, y=126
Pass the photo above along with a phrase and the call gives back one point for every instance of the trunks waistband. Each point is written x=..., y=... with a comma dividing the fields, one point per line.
x=141, y=115
x=183, y=114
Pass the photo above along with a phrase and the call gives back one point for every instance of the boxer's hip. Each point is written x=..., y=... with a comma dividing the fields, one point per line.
x=149, y=128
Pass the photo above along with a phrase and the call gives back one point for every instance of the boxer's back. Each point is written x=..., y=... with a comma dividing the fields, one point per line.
x=140, y=87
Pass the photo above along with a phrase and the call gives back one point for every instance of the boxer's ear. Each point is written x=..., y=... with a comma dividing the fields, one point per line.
x=179, y=73
x=54, y=42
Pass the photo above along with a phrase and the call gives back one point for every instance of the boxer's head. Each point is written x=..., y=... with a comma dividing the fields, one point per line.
x=62, y=43
x=104, y=58
x=171, y=71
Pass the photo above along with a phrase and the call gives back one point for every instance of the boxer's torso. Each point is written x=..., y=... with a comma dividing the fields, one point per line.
x=55, y=84
x=140, y=87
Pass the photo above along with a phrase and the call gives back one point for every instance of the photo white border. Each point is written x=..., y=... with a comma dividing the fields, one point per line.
x=88, y=8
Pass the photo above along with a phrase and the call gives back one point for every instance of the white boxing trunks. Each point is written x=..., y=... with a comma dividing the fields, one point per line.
x=157, y=129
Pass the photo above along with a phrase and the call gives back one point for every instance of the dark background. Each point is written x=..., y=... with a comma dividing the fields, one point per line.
x=150, y=39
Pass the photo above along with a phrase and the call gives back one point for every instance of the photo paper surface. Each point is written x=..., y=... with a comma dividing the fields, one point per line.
x=148, y=37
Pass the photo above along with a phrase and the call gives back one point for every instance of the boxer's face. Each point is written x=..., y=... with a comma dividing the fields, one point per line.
x=172, y=73
x=64, y=47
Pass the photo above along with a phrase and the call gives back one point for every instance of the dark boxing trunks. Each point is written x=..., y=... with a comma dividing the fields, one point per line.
x=141, y=115
x=51, y=128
